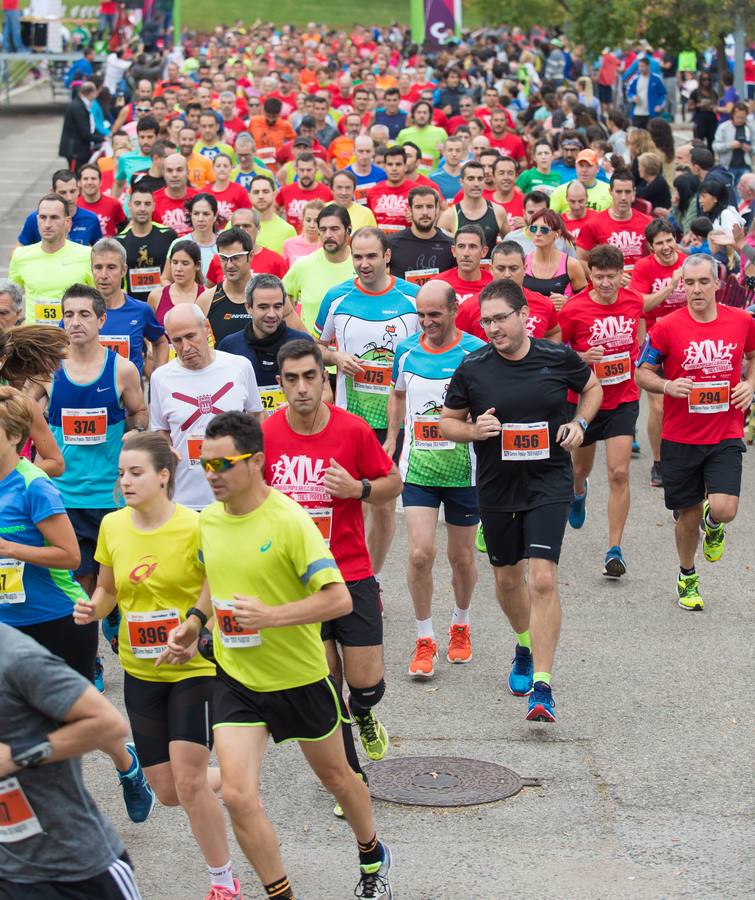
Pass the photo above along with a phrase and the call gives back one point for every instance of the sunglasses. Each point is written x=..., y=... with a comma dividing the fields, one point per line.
x=539, y=229
x=225, y=258
x=223, y=463
x=144, y=109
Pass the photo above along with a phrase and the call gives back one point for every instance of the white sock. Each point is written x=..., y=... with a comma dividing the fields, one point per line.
x=223, y=877
x=460, y=616
x=425, y=628
x=377, y=577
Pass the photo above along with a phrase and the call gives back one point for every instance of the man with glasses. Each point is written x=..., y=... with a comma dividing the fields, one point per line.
x=224, y=305
x=186, y=393
x=570, y=145
x=509, y=399
x=261, y=260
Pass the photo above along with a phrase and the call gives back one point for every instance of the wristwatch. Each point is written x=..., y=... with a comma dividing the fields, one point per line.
x=366, y=488
x=29, y=754
x=193, y=611
x=582, y=423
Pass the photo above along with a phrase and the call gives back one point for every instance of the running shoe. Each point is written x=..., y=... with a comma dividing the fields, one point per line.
x=688, y=591
x=615, y=565
x=635, y=446
x=714, y=542
x=137, y=794
x=218, y=892
x=542, y=707
x=425, y=654
x=373, y=882
x=522, y=670
x=110, y=626
x=656, y=475
x=577, y=509
x=459, y=644
x=373, y=734
x=99, y=675
x=479, y=541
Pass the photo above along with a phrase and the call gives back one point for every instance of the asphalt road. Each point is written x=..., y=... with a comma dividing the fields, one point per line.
x=647, y=787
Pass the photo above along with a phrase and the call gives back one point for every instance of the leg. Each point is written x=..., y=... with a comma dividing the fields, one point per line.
x=421, y=524
x=723, y=507
x=618, y=457
x=461, y=556
x=162, y=782
x=583, y=460
x=655, y=414
x=363, y=666
x=546, y=612
x=687, y=534
x=381, y=526
x=513, y=598
x=336, y=670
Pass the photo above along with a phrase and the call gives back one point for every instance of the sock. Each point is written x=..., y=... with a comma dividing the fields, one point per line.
x=524, y=640
x=710, y=521
x=377, y=577
x=223, y=876
x=687, y=571
x=545, y=677
x=371, y=853
x=280, y=889
x=348, y=738
x=460, y=616
x=133, y=767
x=425, y=628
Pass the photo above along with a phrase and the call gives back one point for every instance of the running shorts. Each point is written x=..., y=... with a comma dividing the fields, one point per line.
x=459, y=503
x=692, y=471
x=363, y=626
x=609, y=423
x=513, y=536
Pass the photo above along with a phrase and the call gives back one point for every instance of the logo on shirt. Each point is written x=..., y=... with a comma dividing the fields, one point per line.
x=613, y=331
x=629, y=242
x=709, y=356
x=204, y=403
x=391, y=205
x=531, y=326
x=301, y=478
x=676, y=296
x=143, y=570
x=266, y=546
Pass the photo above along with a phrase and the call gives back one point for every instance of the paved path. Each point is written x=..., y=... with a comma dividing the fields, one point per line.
x=647, y=777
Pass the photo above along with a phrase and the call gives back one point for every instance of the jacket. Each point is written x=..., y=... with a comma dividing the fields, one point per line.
x=77, y=139
x=656, y=94
x=725, y=134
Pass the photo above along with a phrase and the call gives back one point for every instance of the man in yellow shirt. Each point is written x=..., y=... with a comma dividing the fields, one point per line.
x=344, y=185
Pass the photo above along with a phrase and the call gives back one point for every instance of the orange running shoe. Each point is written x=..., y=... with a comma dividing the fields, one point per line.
x=459, y=644
x=425, y=654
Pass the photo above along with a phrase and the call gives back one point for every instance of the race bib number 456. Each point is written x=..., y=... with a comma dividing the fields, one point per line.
x=525, y=441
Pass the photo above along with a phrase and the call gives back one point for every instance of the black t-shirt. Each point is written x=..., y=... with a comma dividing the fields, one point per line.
x=143, y=256
x=262, y=353
x=409, y=252
x=145, y=180
x=530, y=390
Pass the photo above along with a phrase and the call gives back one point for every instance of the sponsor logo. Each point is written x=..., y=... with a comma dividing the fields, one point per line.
x=629, y=242
x=142, y=571
x=613, y=331
x=300, y=477
x=709, y=356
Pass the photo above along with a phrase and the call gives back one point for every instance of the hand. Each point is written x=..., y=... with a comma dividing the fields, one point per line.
x=253, y=613
x=626, y=277
x=680, y=387
x=7, y=766
x=84, y=612
x=741, y=396
x=593, y=355
x=339, y=483
x=7, y=548
x=735, y=145
x=570, y=436
x=174, y=655
x=181, y=639
x=518, y=222
x=486, y=426
x=347, y=363
x=738, y=233
x=558, y=300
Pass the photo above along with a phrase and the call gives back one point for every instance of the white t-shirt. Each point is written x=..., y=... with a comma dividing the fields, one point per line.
x=183, y=401
x=641, y=101
x=114, y=69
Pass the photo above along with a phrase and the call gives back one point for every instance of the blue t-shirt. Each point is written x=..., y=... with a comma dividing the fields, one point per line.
x=569, y=174
x=31, y=594
x=131, y=163
x=374, y=176
x=393, y=123
x=449, y=185
x=131, y=324
x=85, y=229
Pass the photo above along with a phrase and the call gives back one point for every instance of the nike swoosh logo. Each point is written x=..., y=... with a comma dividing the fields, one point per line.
x=101, y=390
x=265, y=547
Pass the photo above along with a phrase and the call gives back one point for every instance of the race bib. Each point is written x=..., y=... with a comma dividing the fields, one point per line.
x=120, y=343
x=148, y=632
x=12, y=581
x=420, y=276
x=614, y=368
x=84, y=426
x=709, y=397
x=141, y=280
x=392, y=229
x=525, y=441
x=427, y=434
x=427, y=162
x=272, y=399
x=486, y=264
x=375, y=379
x=232, y=635
x=48, y=312
x=194, y=448
x=360, y=194
x=323, y=518
x=17, y=818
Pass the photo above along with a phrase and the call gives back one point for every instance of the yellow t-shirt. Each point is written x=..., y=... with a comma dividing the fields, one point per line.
x=311, y=277
x=45, y=277
x=361, y=217
x=158, y=576
x=274, y=233
x=276, y=554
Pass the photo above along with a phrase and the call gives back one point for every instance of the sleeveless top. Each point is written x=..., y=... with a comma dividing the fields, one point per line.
x=166, y=304
x=88, y=422
x=556, y=284
x=225, y=316
x=487, y=222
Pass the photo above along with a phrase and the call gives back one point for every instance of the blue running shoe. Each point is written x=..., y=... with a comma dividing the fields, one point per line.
x=635, y=446
x=373, y=880
x=542, y=707
x=522, y=670
x=99, y=675
x=110, y=626
x=577, y=510
x=615, y=565
x=137, y=794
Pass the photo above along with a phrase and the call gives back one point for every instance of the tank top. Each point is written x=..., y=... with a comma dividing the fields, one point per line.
x=556, y=284
x=487, y=222
x=88, y=422
x=225, y=316
x=166, y=304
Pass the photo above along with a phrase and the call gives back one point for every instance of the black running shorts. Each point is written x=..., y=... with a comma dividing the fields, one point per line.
x=692, y=471
x=513, y=536
x=363, y=626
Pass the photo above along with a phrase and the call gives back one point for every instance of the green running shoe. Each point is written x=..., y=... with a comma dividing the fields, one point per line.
x=373, y=735
x=479, y=541
x=714, y=542
x=687, y=591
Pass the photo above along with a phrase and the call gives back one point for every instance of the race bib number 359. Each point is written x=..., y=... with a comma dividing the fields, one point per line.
x=525, y=441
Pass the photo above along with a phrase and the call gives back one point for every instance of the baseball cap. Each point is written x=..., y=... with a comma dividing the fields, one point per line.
x=588, y=156
x=302, y=141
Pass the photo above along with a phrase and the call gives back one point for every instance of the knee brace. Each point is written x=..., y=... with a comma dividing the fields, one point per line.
x=366, y=698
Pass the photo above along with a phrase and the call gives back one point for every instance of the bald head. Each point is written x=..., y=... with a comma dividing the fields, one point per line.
x=188, y=331
x=175, y=174
x=436, y=310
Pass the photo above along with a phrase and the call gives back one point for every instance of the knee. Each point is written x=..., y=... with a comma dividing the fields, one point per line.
x=542, y=583
x=724, y=508
x=505, y=583
x=422, y=557
x=240, y=800
x=337, y=779
x=190, y=785
x=166, y=793
x=461, y=559
x=367, y=697
x=618, y=476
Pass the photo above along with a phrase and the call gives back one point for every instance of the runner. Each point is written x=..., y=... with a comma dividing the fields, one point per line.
x=272, y=668
x=170, y=201
x=422, y=249
x=389, y=200
x=467, y=278
x=185, y=285
x=273, y=231
x=540, y=177
x=549, y=270
x=701, y=348
x=230, y=195
x=154, y=177
x=578, y=213
x=521, y=438
x=344, y=185
x=506, y=194
x=602, y=324
x=368, y=317
x=291, y=198
x=587, y=169
x=149, y=567
x=108, y=210
x=224, y=304
x=84, y=227
x=448, y=175
x=187, y=392
x=261, y=260
x=147, y=130
x=473, y=209
x=208, y=144
x=200, y=173
x=309, y=239
x=435, y=471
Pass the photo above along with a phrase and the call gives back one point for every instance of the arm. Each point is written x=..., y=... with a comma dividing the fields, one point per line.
x=61, y=550
x=653, y=300
x=502, y=219
x=341, y=484
x=160, y=352
x=455, y=425
x=49, y=458
x=330, y=602
x=396, y=412
x=120, y=119
x=154, y=295
x=576, y=274
x=742, y=394
x=102, y=601
x=346, y=362
x=571, y=435
x=647, y=377
x=130, y=387
x=553, y=335
x=204, y=300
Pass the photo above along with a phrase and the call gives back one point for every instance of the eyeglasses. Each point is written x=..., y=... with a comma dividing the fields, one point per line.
x=223, y=463
x=497, y=320
x=144, y=109
x=224, y=258
x=539, y=229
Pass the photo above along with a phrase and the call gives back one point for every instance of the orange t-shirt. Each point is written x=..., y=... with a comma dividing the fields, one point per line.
x=341, y=151
x=200, y=171
x=267, y=135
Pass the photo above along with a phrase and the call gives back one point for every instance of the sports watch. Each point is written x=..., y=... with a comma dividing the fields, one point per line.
x=366, y=488
x=582, y=423
x=193, y=611
x=29, y=754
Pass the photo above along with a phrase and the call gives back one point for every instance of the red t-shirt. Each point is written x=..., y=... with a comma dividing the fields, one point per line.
x=586, y=323
x=628, y=236
x=510, y=145
x=171, y=213
x=514, y=207
x=390, y=204
x=484, y=113
x=232, y=129
x=263, y=261
x=229, y=200
x=705, y=352
x=288, y=102
x=575, y=226
x=295, y=464
x=293, y=199
x=649, y=276
x=108, y=210
x=465, y=290
x=342, y=104
x=543, y=316
x=416, y=89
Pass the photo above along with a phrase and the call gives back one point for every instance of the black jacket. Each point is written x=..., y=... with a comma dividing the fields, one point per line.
x=77, y=138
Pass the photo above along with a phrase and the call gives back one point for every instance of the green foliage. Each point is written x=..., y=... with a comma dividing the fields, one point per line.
x=522, y=13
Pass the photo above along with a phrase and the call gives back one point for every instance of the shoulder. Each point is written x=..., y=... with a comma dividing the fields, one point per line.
x=232, y=361
x=407, y=345
x=553, y=354
x=406, y=288
x=292, y=335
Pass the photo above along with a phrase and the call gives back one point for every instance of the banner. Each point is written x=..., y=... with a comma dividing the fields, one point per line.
x=442, y=21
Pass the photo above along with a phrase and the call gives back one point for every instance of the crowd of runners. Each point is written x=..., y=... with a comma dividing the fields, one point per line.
x=297, y=277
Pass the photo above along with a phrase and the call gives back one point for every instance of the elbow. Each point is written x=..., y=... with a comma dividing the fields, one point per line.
x=55, y=467
x=112, y=727
x=71, y=558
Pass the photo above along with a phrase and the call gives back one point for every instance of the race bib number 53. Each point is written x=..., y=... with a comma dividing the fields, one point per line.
x=525, y=441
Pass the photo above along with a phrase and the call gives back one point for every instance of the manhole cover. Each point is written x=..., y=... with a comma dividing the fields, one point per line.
x=443, y=781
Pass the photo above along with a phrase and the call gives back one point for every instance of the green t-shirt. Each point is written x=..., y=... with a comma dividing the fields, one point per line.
x=533, y=180
x=129, y=164
x=274, y=233
x=45, y=277
x=284, y=560
x=310, y=278
x=598, y=197
x=426, y=139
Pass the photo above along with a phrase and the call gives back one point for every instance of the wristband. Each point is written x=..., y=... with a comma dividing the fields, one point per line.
x=193, y=611
x=665, y=385
x=366, y=489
